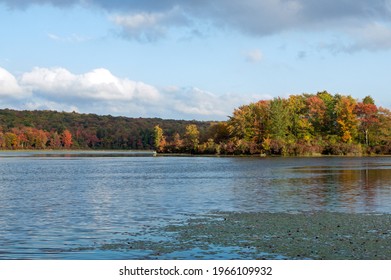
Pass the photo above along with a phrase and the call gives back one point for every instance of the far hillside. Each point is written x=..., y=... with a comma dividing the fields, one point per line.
x=49, y=129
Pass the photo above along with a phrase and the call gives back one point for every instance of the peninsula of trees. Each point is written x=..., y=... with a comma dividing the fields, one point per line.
x=306, y=124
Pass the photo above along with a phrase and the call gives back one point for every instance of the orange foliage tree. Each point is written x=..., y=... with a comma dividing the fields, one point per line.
x=67, y=139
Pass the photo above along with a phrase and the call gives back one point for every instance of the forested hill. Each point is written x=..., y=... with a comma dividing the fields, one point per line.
x=306, y=124
x=58, y=130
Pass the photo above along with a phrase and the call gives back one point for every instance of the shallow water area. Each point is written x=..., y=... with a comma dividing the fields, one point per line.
x=122, y=205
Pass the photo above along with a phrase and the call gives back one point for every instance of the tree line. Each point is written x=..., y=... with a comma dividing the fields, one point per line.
x=61, y=130
x=306, y=124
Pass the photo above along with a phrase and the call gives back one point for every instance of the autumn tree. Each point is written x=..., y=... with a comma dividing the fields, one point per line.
x=22, y=139
x=367, y=116
x=242, y=124
x=218, y=131
x=250, y=122
x=316, y=113
x=2, y=143
x=41, y=139
x=177, y=143
x=384, y=126
x=66, y=139
x=11, y=140
x=159, y=139
x=191, y=138
x=346, y=118
x=55, y=140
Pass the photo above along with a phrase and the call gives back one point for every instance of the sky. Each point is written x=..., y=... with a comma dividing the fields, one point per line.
x=189, y=59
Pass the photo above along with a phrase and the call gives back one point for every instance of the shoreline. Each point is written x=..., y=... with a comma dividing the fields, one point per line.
x=153, y=153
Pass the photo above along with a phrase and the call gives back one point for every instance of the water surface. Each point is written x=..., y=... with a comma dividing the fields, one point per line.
x=70, y=206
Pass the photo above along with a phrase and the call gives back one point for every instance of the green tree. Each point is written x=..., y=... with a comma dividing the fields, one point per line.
x=300, y=127
x=329, y=116
x=279, y=118
x=368, y=100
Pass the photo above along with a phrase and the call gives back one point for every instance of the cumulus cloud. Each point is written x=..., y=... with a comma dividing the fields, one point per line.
x=99, y=91
x=99, y=84
x=9, y=86
x=55, y=88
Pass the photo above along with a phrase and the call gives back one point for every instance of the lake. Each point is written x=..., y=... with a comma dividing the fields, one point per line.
x=76, y=205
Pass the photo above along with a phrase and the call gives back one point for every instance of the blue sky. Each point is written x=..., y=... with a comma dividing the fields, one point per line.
x=189, y=59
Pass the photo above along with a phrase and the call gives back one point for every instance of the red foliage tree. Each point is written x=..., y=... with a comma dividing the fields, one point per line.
x=367, y=117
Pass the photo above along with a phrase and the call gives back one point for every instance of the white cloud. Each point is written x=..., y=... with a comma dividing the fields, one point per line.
x=58, y=80
x=98, y=84
x=149, y=26
x=99, y=91
x=9, y=86
x=373, y=36
x=42, y=104
x=200, y=104
x=194, y=101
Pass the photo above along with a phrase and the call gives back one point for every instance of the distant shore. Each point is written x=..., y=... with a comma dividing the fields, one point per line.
x=153, y=153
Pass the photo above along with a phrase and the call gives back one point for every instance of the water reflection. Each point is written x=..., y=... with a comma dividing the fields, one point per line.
x=359, y=189
x=347, y=185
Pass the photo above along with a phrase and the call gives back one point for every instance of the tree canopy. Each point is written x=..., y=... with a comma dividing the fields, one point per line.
x=61, y=130
x=306, y=124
